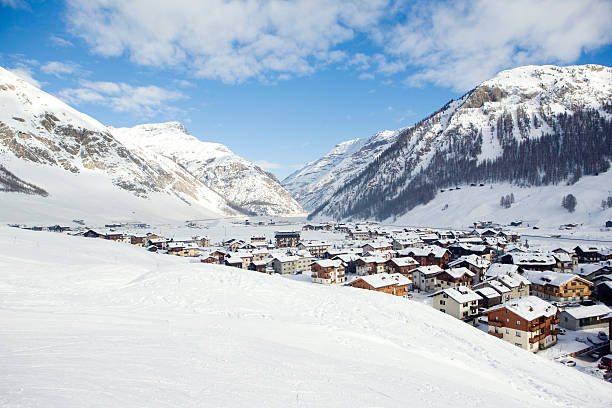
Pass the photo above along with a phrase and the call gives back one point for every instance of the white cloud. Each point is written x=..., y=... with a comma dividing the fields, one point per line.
x=227, y=40
x=264, y=164
x=24, y=72
x=59, y=68
x=122, y=97
x=449, y=43
x=461, y=43
x=59, y=41
x=16, y=4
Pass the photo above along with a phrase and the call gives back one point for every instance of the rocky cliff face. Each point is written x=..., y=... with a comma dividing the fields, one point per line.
x=530, y=126
x=235, y=178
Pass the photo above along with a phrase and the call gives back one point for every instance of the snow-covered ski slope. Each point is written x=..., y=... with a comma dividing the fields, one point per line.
x=87, y=322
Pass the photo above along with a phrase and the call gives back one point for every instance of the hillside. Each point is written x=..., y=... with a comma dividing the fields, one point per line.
x=530, y=126
x=316, y=182
x=41, y=136
x=97, y=323
x=235, y=178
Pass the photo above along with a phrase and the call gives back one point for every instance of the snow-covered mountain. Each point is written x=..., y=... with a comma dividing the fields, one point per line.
x=235, y=178
x=529, y=126
x=40, y=135
x=316, y=182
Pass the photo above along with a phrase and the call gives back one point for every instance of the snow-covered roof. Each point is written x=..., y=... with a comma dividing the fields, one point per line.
x=286, y=258
x=533, y=258
x=435, y=250
x=472, y=259
x=583, y=312
x=404, y=261
x=328, y=263
x=429, y=270
x=462, y=294
x=528, y=307
x=496, y=269
x=372, y=259
x=587, y=269
x=487, y=292
x=498, y=286
x=550, y=278
x=513, y=280
x=457, y=273
x=380, y=280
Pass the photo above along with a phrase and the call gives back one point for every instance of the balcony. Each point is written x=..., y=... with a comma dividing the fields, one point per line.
x=555, y=331
x=495, y=323
x=537, y=338
x=498, y=335
x=555, y=320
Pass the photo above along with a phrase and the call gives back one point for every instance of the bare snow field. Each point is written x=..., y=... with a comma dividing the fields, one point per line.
x=88, y=322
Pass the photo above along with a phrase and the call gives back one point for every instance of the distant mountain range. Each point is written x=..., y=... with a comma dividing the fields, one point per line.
x=529, y=126
x=156, y=170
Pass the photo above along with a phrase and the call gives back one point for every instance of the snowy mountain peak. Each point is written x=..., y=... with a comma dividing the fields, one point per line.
x=528, y=126
x=241, y=181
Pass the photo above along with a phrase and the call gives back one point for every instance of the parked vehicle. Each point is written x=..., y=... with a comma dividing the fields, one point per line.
x=595, y=354
x=569, y=363
x=602, y=336
x=605, y=363
x=581, y=340
x=561, y=331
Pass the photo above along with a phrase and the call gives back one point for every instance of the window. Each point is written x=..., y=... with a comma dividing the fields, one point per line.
x=507, y=331
x=442, y=302
x=518, y=333
x=518, y=322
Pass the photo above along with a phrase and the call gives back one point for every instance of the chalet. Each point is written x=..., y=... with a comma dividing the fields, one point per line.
x=259, y=254
x=403, y=266
x=603, y=292
x=424, y=277
x=463, y=249
x=505, y=292
x=377, y=246
x=559, y=287
x=235, y=245
x=490, y=297
x=287, y=239
x=91, y=234
x=427, y=255
x=591, y=271
x=496, y=269
x=258, y=240
x=348, y=260
x=460, y=302
x=584, y=317
x=394, y=284
x=219, y=255
x=359, y=235
x=529, y=323
x=453, y=277
x=58, y=228
x=290, y=264
x=232, y=260
x=519, y=285
x=316, y=248
x=401, y=243
x=209, y=259
x=139, y=240
x=533, y=261
x=180, y=249
x=564, y=262
x=474, y=263
x=117, y=237
x=370, y=265
x=263, y=266
x=587, y=254
x=327, y=272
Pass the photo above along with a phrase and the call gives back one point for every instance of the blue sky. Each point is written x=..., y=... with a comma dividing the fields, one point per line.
x=279, y=82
